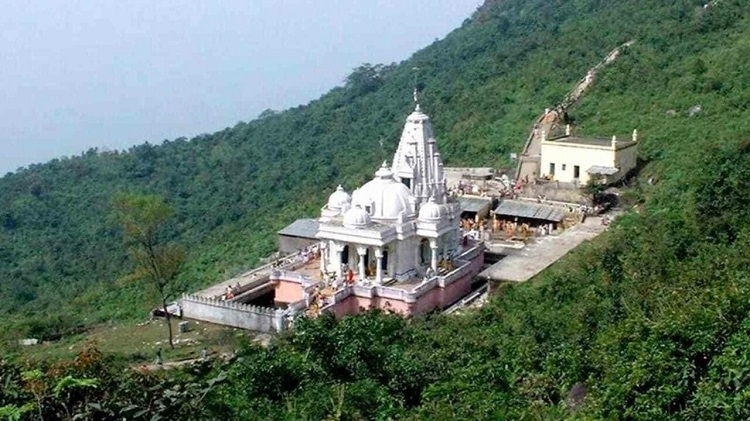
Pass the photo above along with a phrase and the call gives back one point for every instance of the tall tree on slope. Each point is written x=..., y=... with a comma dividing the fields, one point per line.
x=143, y=218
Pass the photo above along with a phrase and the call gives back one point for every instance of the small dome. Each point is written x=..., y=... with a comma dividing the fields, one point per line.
x=383, y=196
x=339, y=199
x=356, y=217
x=430, y=211
x=384, y=173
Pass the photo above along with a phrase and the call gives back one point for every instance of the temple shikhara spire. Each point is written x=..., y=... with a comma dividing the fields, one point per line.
x=417, y=163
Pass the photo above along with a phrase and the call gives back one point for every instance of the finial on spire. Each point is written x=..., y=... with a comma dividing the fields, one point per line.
x=416, y=87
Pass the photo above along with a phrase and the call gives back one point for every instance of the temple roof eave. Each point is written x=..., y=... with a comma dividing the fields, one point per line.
x=429, y=230
x=374, y=235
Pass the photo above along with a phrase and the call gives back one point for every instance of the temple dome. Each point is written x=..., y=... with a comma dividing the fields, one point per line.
x=356, y=217
x=384, y=197
x=430, y=211
x=339, y=199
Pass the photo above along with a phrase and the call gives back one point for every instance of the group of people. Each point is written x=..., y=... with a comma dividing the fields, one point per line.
x=481, y=229
x=332, y=279
x=303, y=255
x=232, y=291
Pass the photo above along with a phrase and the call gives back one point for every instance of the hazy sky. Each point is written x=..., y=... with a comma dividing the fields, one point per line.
x=78, y=74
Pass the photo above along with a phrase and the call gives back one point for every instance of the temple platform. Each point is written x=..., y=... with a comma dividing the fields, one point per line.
x=304, y=284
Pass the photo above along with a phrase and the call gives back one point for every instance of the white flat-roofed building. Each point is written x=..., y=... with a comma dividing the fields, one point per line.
x=572, y=159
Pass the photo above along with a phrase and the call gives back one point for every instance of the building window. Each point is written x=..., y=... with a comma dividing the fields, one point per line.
x=563, y=167
x=551, y=168
x=576, y=171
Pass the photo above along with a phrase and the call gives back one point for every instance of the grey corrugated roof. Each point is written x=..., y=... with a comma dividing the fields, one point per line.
x=530, y=210
x=598, y=169
x=473, y=204
x=303, y=228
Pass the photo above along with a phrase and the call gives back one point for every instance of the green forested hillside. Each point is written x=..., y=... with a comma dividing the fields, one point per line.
x=649, y=322
x=61, y=256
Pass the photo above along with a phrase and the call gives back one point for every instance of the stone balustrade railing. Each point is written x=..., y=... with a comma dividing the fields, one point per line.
x=226, y=304
x=456, y=274
x=235, y=314
x=291, y=276
x=394, y=293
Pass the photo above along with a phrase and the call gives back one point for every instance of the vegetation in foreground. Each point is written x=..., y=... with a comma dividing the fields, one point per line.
x=648, y=322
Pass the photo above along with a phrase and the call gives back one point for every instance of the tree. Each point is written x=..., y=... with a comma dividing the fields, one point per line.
x=143, y=218
x=594, y=187
x=365, y=78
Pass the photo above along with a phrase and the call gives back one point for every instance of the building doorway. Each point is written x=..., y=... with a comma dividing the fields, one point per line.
x=425, y=253
x=552, y=168
x=345, y=256
x=369, y=263
x=576, y=172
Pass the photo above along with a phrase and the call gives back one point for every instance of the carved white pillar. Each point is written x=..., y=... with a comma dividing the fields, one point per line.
x=335, y=257
x=379, y=269
x=361, y=251
x=434, y=249
x=323, y=259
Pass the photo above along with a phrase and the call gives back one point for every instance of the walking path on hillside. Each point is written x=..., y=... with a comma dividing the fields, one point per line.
x=522, y=265
x=530, y=160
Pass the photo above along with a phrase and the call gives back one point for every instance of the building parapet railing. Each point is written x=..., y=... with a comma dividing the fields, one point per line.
x=342, y=294
x=291, y=276
x=425, y=286
x=471, y=252
x=282, y=262
x=241, y=315
x=456, y=274
x=228, y=304
x=394, y=293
